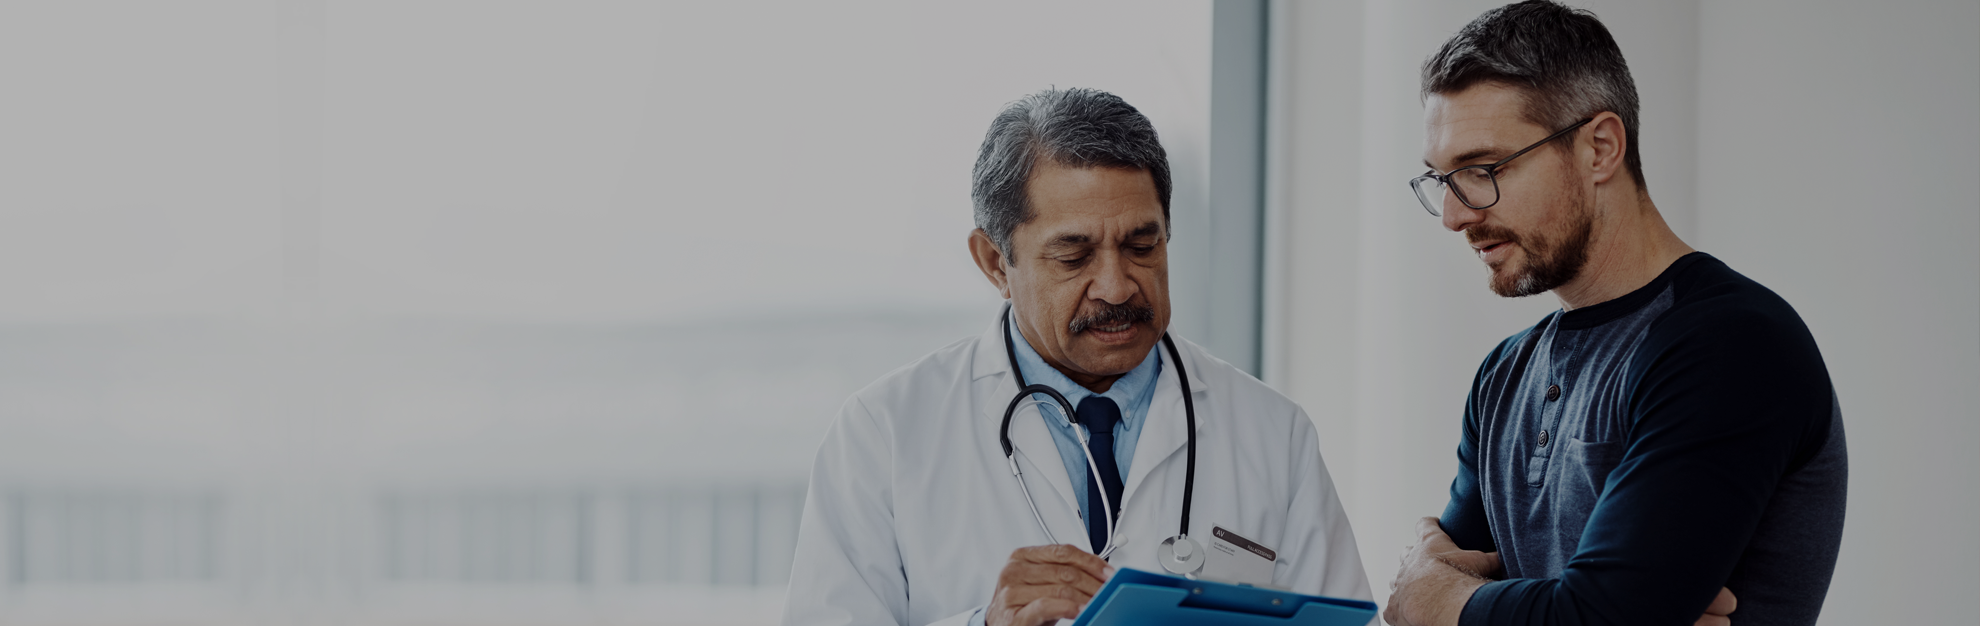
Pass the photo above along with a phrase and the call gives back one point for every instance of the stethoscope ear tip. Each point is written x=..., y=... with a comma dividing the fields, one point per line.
x=1113, y=543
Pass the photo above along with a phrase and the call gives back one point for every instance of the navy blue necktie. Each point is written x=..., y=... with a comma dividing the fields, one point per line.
x=1099, y=415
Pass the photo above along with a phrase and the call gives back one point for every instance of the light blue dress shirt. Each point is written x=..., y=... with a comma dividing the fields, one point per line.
x=1133, y=393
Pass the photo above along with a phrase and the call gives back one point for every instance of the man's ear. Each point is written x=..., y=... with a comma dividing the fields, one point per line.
x=1610, y=142
x=990, y=260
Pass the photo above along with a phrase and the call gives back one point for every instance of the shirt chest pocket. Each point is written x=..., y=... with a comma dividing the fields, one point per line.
x=1581, y=470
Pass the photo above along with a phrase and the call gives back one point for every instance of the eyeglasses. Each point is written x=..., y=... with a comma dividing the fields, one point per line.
x=1477, y=186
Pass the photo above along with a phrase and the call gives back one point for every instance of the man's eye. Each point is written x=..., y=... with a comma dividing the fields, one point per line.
x=1073, y=261
x=1141, y=249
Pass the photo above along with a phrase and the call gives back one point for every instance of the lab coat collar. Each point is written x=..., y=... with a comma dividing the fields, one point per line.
x=1037, y=454
x=991, y=358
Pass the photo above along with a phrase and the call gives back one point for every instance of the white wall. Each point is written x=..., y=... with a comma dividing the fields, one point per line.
x=1828, y=151
x=1839, y=146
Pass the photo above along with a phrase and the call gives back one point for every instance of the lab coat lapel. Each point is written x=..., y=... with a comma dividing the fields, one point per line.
x=1037, y=453
x=1165, y=430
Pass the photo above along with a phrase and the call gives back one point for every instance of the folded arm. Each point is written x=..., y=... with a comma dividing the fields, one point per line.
x=1722, y=411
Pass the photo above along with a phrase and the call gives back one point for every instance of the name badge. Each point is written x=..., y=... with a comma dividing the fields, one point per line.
x=1233, y=558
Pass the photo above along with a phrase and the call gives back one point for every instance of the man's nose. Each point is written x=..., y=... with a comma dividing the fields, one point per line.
x=1112, y=284
x=1457, y=216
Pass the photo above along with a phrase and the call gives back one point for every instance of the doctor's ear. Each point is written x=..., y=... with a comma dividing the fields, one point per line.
x=990, y=259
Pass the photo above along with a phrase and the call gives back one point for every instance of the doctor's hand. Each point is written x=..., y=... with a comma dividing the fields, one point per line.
x=1045, y=583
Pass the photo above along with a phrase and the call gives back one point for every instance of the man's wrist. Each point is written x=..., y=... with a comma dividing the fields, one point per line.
x=1436, y=596
x=1451, y=592
x=1463, y=569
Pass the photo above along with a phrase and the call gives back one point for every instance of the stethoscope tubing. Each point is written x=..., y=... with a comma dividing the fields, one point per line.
x=1189, y=421
x=1024, y=395
x=1025, y=391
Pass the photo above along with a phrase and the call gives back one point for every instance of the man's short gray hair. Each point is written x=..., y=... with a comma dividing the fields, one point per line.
x=1079, y=128
x=1562, y=59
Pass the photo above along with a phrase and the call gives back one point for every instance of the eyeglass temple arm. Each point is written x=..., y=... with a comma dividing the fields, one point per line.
x=1548, y=140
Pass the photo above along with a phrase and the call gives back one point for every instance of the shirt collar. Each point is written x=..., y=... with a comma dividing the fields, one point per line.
x=1132, y=392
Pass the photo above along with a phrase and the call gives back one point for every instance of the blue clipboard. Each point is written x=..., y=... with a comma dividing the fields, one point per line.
x=1137, y=598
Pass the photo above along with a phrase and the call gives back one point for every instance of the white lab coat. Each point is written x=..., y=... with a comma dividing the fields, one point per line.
x=913, y=512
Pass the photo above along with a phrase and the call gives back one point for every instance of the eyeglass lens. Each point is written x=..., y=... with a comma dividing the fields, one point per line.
x=1475, y=188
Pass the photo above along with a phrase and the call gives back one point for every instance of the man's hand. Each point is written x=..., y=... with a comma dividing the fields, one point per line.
x=1436, y=579
x=1045, y=583
x=1722, y=606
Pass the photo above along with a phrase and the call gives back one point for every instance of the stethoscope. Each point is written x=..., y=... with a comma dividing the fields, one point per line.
x=1179, y=554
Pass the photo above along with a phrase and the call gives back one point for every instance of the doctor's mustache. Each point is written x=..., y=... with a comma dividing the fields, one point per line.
x=1113, y=314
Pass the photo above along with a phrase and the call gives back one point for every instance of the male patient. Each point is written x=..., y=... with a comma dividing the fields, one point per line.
x=1666, y=448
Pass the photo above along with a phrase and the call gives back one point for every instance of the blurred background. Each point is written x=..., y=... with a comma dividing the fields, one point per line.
x=507, y=313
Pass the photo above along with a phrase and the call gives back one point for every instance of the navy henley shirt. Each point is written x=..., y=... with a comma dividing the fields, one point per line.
x=1628, y=459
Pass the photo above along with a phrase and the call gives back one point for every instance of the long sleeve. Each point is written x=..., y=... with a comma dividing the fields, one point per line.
x=1464, y=517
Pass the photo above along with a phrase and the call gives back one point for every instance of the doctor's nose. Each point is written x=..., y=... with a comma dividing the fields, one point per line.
x=1112, y=284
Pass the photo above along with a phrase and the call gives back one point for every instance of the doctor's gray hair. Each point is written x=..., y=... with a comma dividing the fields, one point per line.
x=1079, y=128
x=1561, y=59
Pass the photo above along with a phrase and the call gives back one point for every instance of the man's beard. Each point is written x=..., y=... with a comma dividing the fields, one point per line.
x=1547, y=263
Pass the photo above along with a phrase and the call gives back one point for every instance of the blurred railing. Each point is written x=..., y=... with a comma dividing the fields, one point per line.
x=431, y=554
x=111, y=537
x=422, y=473
x=714, y=536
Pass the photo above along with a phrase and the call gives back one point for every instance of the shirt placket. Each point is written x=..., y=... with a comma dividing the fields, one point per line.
x=1560, y=375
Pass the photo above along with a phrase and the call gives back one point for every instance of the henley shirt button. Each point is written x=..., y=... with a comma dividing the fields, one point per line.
x=1553, y=392
x=1543, y=439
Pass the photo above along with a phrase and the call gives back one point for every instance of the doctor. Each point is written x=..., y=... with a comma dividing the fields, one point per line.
x=915, y=515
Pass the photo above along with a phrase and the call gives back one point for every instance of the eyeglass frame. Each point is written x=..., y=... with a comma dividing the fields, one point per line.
x=1491, y=172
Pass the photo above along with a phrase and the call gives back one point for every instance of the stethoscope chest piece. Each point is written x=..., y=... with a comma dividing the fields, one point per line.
x=1180, y=555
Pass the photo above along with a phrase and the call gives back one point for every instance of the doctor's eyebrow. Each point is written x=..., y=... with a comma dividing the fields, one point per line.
x=1081, y=240
x=1068, y=240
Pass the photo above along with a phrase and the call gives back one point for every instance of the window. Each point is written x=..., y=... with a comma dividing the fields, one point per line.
x=471, y=311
